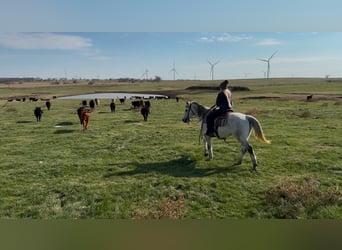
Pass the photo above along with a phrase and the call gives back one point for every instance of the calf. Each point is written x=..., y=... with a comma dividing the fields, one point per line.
x=145, y=112
x=84, y=116
x=92, y=104
x=112, y=106
x=80, y=114
x=38, y=113
x=48, y=105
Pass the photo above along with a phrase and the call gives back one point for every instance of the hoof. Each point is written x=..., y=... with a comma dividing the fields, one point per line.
x=206, y=154
x=238, y=163
x=255, y=168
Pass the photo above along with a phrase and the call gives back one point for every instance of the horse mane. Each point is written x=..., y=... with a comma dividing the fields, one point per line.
x=202, y=110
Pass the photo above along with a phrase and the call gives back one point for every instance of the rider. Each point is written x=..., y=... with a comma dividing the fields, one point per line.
x=223, y=104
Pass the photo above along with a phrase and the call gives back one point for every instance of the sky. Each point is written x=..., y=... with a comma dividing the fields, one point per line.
x=129, y=38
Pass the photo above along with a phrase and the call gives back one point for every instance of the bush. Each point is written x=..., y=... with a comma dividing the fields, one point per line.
x=290, y=199
x=168, y=208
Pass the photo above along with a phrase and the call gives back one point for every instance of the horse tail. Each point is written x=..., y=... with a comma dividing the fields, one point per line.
x=259, y=134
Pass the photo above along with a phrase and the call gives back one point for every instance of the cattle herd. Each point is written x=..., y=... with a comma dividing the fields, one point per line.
x=84, y=111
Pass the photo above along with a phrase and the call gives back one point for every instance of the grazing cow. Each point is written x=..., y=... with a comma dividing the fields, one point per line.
x=135, y=104
x=122, y=100
x=145, y=112
x=48, y=105
x=309, y=97
x=148, y=104
x=38, y=113
x=84, y=116
x=84, y=102
x=112, y=106
x=92, y=104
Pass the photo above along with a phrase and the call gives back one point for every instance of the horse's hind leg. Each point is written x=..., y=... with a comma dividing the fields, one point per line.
x=253, y=156
x=243, y=152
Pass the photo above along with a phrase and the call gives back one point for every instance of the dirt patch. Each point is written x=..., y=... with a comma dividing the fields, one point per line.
x=214, y=88
x=260, y=97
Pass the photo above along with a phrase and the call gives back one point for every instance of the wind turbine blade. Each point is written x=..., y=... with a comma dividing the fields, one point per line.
x=264, y=60
x=272, y=55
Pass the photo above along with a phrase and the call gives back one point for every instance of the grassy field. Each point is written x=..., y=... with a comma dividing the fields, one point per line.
x=123, y=167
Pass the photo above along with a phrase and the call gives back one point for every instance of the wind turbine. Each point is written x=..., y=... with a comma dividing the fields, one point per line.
x=145, y=74
x=212, y=65
x=268, y=63
x=174, y=71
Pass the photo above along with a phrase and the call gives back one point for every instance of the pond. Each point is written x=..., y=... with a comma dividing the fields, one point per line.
x=112, y=95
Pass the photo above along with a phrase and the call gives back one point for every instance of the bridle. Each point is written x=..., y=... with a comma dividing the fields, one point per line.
x=189, y=113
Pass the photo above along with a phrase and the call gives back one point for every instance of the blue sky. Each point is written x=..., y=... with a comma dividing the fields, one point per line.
x=129, y=54
x=123, y=38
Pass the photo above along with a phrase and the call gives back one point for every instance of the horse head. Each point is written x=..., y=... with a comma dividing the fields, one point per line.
x=188, y=112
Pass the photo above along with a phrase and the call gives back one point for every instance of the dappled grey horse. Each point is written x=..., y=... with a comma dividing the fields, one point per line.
x=237, y=124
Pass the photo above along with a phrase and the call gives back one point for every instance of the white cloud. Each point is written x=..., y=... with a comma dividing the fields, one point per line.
x=44, y=41
x=226, y=37
x=269, y=42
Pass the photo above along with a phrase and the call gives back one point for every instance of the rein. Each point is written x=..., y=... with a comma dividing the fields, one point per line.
x=202, y=113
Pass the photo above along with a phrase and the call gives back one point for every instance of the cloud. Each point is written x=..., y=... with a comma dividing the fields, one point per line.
x=44, y=41
x=269, y=42
x=226, y=37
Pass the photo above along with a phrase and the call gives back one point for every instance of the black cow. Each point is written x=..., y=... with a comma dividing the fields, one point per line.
x=48, y=105
x=79, y=113
x=112, y=107
x=135, y=104
x=38, y=113
x=145, y=112
x=92, y=104
x=309, y=97
x=148, y=104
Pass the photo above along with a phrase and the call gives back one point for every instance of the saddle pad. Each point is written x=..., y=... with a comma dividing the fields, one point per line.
x=220, y=121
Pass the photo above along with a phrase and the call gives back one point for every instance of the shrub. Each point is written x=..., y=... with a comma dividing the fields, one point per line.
x=290, y=199
x=168, y=208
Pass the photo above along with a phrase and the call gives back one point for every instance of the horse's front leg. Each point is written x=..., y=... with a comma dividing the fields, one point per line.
x=205, y=146
x=209, y=147
x=205, y=141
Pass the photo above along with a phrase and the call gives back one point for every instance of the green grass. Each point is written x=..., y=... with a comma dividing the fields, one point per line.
x=123, y=167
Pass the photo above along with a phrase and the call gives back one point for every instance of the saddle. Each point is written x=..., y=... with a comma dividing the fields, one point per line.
x=221, y=120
